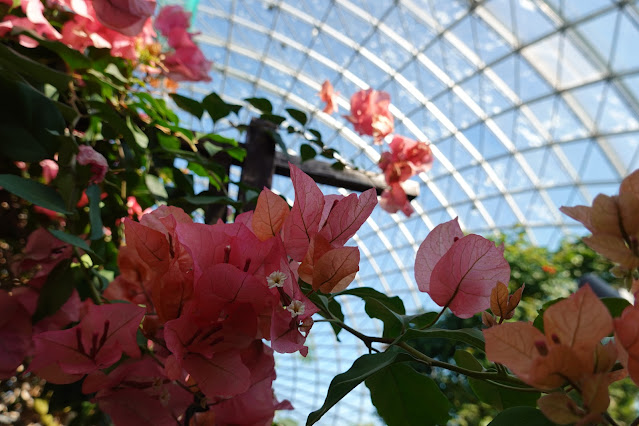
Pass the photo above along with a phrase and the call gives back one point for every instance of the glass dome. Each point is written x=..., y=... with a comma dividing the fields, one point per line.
x=528, y=105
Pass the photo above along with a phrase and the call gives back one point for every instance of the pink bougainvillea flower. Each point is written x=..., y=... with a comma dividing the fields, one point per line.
x=87, y=156
x=405, y=159
x=394, y=199
x=257, y=405
x=97, y=342
x=569, y=348
x=127, y=17
x=269, y=214
x=432, y=249
x=41, y=254
x=170, y=17
x=49, y=170
x=137, y=393
x=627, y=338
x=15, y=334
x=613, y=222
x=188, y=63
x=459, y=273
x=328, y=95
x=370, y=115
x=34, y=21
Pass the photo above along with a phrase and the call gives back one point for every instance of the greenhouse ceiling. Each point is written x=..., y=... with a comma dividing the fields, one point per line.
x=528, y=105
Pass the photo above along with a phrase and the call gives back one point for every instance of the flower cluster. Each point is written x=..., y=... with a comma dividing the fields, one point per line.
x=370, y=116
x=202, y=298
x=186, y=61
x=125, y=27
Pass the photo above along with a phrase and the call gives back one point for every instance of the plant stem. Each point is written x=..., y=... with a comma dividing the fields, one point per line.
x=94, y=293
x=439, y=315
x=481, y=375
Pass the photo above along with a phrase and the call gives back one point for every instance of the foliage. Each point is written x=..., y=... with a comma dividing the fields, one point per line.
x=117, y=307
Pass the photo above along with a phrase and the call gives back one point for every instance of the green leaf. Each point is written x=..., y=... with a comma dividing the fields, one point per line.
x=73, y=58
x=470, y=336
x=74, y=240
x=363, y=368
x=329, y=304
x=616, y=305
x=298, y=116
x=521, y=416
x=277, y=119
x=168, y=141
x=489, y=393
x=307, y=152
x=404, y=397
x=95, y=218
x=34, y=192
x=189, y=105
x=26, y=127
x=212, y=149
x=12, y=60
x=378, y=305
x=217, y=108
x=317, y=134
x=262, y=104
x=420, y=320
x=56, y=291
x=338, y=165
x=204, y=200
x=114, y=71
x=156, y=186
x=139, y=136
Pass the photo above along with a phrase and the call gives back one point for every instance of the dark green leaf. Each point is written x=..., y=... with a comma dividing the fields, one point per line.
x=217, y=108
x=331, y=305
x=183, y=181
x=378, y=305
x=189, y=105
x=489, y=393
x=615, y=305
x=262, y=104
x=95, y=218
x=363, y=368
x=74, y=240
x=404, y=397
x=315, y=133
x=222, y=139
x=307, y=152
x=298, y=116
x=12, y=60
x=74, y=58
x=26, y=127
x=277, y=119
x=56, y=291
x=156, y=186
x=469, y=336
x=420, y=320
x=329, y=153
x=338, y=165
x=203, y=200
x=34, y=192
x=521, y=416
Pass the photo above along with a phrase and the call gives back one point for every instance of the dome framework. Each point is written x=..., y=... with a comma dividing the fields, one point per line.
x=528, y=105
